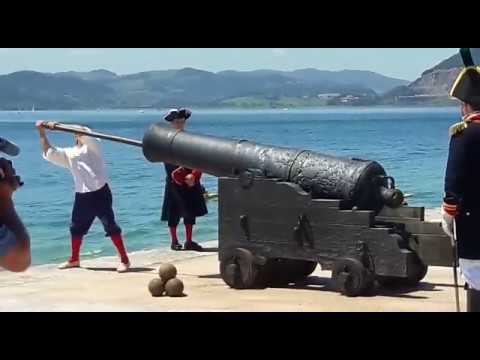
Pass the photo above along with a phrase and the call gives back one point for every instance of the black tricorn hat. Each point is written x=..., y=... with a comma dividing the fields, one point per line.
x=467, y=86
x=176, y=114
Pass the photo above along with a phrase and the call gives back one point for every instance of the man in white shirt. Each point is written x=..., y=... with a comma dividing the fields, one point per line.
x=93, y=197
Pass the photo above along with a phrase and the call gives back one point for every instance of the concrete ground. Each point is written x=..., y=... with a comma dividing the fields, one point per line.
x=97, y=287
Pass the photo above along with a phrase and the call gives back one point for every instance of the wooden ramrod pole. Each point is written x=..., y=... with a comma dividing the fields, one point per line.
x=51, y=125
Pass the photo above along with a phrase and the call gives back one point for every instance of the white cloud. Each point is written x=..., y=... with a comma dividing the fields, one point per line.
x=279, y=52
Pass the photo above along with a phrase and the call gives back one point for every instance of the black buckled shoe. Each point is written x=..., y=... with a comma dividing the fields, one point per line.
x=193, y=246
x=176, y=247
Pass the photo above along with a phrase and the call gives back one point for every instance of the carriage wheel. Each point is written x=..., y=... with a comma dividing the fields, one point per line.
x=239, y=270
x=418, y=272
x=352, y=278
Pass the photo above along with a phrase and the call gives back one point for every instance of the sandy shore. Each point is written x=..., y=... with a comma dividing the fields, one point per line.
x=97, y=287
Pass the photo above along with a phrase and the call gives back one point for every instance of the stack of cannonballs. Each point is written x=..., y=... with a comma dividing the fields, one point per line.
x=167, y=283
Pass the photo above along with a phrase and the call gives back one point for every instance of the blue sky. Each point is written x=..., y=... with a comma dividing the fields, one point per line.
x=397, y=62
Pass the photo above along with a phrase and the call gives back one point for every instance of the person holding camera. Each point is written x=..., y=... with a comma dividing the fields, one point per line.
x=15, y=252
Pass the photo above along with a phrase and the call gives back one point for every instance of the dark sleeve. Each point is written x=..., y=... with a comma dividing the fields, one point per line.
x=7, y=240
x=169, y=168
x=456, y=168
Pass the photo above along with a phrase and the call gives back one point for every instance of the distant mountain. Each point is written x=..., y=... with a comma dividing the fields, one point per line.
x=454, y=61
x=95, y=75
x=22, y=90
x=333, y=79
x=433, y=86
x=188, y=86
x=378, y=83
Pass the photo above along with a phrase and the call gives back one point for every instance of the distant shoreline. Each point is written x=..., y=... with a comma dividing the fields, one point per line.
x=403, y=106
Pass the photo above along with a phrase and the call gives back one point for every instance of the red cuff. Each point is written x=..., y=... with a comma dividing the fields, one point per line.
x=197, y=174
x=178, y=175
x=451, y=210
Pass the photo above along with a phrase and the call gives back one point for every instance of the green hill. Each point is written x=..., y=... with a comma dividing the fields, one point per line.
x=190, y=87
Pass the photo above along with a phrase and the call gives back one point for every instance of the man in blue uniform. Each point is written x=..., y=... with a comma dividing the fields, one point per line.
x=461, y=207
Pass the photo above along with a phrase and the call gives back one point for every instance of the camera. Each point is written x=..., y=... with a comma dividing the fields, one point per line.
x=7, y=171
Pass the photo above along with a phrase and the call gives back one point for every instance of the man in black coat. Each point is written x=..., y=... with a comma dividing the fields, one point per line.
x=184, y=194
x=461, y=207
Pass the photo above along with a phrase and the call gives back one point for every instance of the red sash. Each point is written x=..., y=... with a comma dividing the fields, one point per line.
x=473, y=117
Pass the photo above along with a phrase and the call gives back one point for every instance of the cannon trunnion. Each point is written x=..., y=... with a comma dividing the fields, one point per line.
x=272, y=232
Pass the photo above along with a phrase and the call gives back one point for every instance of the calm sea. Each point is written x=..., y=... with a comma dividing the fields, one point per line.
x=411, y=143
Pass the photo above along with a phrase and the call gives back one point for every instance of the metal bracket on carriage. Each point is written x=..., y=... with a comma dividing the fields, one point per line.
x=365, y=256
x=244, y=226
x=303, y=232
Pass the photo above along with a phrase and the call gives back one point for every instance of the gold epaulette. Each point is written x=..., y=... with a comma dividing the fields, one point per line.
x=458, y=128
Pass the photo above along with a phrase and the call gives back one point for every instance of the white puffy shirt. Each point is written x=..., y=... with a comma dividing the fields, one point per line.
x=85, y=162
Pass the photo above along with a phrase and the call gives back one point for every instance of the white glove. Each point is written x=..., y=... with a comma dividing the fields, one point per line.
x=447, y=225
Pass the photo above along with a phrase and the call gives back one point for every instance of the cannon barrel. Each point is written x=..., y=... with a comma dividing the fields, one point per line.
x=363, y=184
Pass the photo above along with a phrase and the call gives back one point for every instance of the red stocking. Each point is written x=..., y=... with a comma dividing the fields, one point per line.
x=76, y=244
x=173, y=234
x=188, y=233
x=118, y=242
